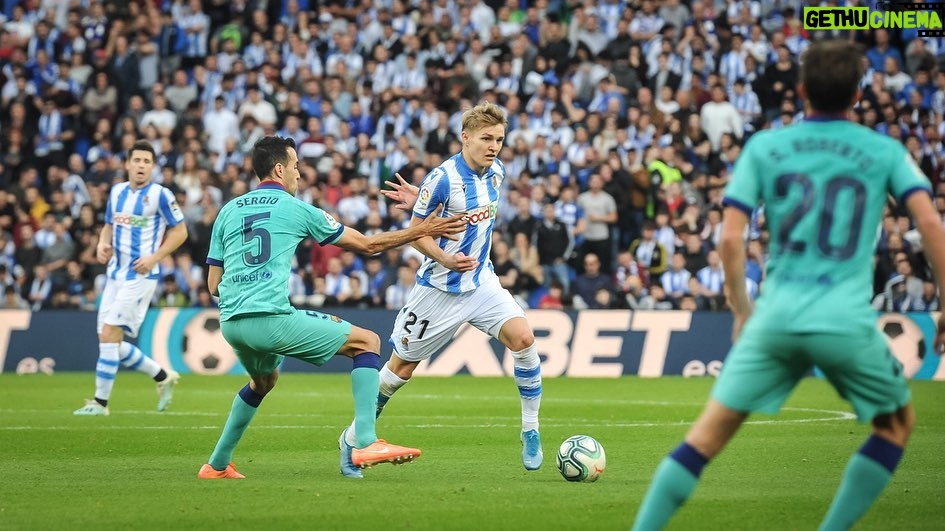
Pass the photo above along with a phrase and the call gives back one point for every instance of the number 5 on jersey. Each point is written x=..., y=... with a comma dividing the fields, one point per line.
x=251, y=234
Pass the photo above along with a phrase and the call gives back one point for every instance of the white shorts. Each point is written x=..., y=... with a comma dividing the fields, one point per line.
x=125, y=303
x=431, y=317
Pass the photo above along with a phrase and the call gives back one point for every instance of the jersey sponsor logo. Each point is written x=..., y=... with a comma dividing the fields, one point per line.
x=251, y=277
x=483, y=214
x=130, y=220
x=332, y=222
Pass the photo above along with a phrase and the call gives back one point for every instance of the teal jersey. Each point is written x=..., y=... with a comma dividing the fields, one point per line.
x=254, y=239
x=824, y=185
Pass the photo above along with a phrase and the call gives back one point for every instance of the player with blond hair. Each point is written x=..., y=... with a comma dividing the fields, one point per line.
x=456, y=283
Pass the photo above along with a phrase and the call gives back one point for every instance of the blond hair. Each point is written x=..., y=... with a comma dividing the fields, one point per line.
x=483, y=115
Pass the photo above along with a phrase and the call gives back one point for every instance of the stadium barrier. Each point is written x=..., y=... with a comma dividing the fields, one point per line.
x=592, y=343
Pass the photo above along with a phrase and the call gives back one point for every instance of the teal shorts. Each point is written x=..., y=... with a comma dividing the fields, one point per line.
x=764, y=367
x=261, y=342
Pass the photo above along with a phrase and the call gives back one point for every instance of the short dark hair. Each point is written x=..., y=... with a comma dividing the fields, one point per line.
x=269, y=151
x=831, y=72
x=143, y=145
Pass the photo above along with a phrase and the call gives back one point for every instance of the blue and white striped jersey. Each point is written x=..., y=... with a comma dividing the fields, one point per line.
x=138, y=219
x=460, y=190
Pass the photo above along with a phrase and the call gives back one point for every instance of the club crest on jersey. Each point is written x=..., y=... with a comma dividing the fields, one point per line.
x=146, y=201
x=483, y=214
x=405, y=343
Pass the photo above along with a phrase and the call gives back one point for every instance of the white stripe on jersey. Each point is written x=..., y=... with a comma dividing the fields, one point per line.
x=138, y=219
x=459, y=189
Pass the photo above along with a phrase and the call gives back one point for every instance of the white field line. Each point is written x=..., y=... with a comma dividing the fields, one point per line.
x=825, y=416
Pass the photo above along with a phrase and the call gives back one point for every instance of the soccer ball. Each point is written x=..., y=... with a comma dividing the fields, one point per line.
x=905, y=340
x=581, y=458
x=205, y=349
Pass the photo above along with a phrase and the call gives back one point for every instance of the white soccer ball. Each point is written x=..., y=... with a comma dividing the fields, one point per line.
x=581, y=458
x=204, y=347
x=905, y=339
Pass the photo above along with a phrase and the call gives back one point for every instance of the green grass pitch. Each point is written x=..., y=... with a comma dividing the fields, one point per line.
x=137, y=468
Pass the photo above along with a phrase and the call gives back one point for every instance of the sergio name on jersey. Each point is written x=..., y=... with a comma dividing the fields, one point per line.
x=461, y=190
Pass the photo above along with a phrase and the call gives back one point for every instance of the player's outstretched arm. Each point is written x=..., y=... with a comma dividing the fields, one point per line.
x=432, y=227
x=929, y=225
x=732, y=252
x=404, y=193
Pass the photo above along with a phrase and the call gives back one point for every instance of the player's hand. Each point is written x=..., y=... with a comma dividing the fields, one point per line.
x=404, y=193
x=436, y=226
x=460, y=263
x=940, y=335
x=145, y=264
x=103, y=252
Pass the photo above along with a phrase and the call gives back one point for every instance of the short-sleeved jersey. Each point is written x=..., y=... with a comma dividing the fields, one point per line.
x=824, y=185
x=138, y=218
x=254, y=239
x=461, y=190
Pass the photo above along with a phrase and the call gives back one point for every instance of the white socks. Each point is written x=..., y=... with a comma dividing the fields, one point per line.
x=528, y=379
x=105, y=370
x=133, y=358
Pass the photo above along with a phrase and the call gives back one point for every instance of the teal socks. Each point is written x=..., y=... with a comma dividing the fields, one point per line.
x=675, y=479
x=244, y=409
x=364, y=386
x=864, y=479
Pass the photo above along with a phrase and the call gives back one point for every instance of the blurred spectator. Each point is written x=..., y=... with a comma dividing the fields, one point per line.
x=554, y=243
x=676, y=279
x=12, y=299
x=601, y=210
x=585, y=286
x=170, y=294
x=654, y=99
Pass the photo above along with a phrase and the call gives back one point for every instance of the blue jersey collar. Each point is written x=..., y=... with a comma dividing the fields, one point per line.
x=463, y=166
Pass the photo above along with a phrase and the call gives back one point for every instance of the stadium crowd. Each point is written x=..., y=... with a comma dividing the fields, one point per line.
x=625, y=122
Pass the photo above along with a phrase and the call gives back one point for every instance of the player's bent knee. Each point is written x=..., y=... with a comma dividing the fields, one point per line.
x=360, y=340
x=263, y=383
x=111, y=334
x=896, y=426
